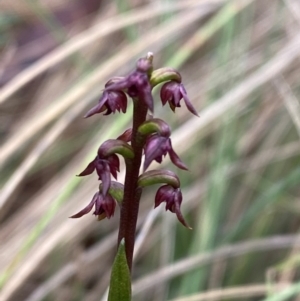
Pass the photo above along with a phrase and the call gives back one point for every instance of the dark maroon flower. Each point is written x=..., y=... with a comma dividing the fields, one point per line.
x=111, y=101
x=173, y=198
x=172, y=92
x=104, y=167
x=104, y=206
x=136, y=84
x=157, y=147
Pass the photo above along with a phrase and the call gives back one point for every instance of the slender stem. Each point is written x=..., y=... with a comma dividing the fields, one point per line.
x=130, y=204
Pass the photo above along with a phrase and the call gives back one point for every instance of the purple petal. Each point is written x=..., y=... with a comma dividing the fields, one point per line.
x=98, y=204
x=114, y=165
x=147, y=97
x=117, y=101
x=122, y=101
x=99, y=107
x=162, y=194
x=178, y=211
x=165, y=93
x=175, y=159
x=88, y=170
x=187, y=101
x=87, y=209
x=109, y=205
x=105, y=178
x=118, y=86
x=95, y=110
x=154, y=150
x=175, y=101
x=126, y=136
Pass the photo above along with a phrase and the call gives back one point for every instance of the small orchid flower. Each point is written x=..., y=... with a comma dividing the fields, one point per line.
x=111, y=101
x=136, y=84
x=157, y=147
x=104, y=167
x=107, y=162
x=173, y=198
x=172, y=92
x=104, y=206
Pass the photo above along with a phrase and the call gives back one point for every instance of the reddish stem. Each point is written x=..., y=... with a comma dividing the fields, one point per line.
x=131, y=200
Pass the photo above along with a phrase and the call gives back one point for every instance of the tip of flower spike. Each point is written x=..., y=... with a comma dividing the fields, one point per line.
x=150, y=56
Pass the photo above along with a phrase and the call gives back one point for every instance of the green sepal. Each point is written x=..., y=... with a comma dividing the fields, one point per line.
x=120, y=281
x=116, y=191
x=154, y=125
x=116, y=146
x=158, y=176
x=161, y=75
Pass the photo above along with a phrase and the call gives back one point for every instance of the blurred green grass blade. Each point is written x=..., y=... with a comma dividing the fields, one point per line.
x=269, y=197
x=132, y=30
x=286, y=294
x=49, y=20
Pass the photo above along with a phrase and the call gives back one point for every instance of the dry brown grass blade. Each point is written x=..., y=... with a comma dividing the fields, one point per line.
x=35, y=154
x=290, y=101
x=294, y=7
x=247, y=291
x=265, y=158
x=90, y=36
x=223, y=253
x=92, y=82
x=21, y=8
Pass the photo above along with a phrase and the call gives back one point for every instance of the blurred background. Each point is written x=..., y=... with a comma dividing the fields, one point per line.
x=240, y=65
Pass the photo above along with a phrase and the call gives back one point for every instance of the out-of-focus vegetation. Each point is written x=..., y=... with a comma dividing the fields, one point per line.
x=240, y=64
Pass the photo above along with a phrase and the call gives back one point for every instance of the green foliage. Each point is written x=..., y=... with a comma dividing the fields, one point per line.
x=120, y=284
